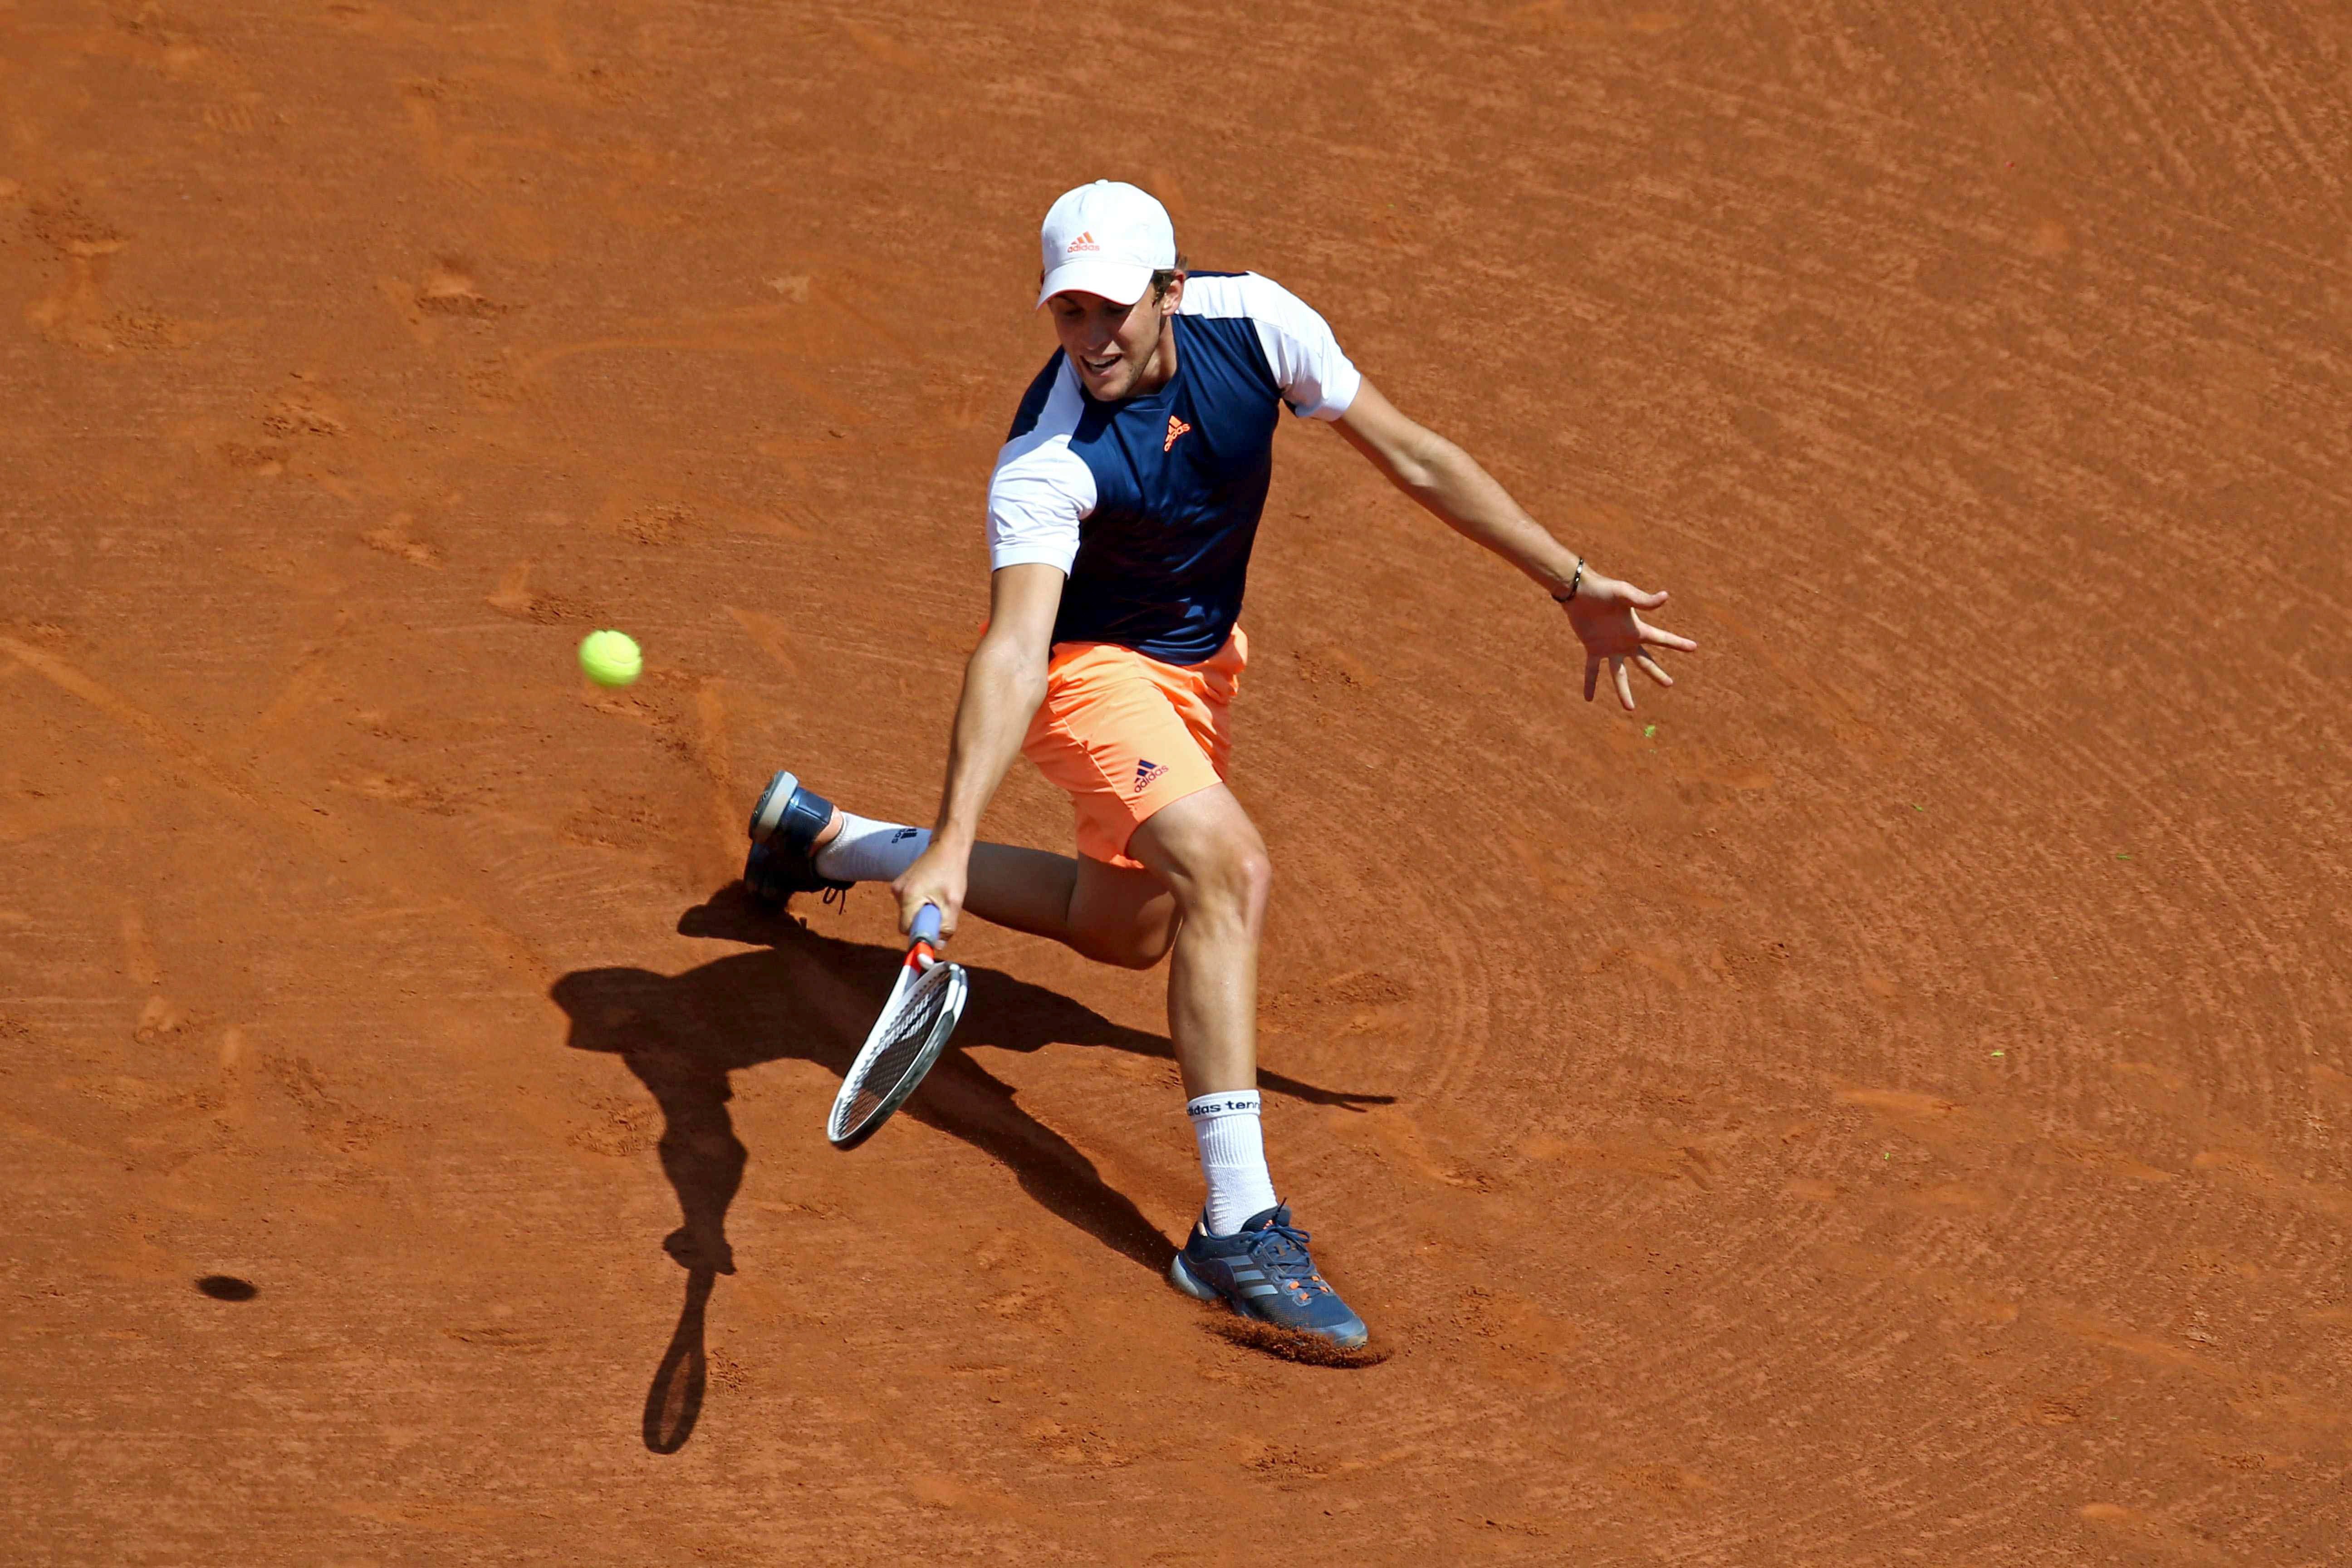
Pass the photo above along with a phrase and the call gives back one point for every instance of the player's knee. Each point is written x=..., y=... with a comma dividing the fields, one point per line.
x=1238, y=883
x=1255, y=871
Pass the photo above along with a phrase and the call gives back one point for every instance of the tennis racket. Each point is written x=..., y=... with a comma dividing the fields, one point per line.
x=924, y=1006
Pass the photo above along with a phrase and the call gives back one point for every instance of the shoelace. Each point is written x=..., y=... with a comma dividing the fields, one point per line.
x=835, y=896
x=1281, y=1251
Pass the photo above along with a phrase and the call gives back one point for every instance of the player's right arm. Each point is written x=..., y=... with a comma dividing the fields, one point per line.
x=1004, y=683
x=1038, y=498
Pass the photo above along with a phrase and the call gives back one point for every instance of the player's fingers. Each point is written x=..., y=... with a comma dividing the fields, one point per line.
x=1592, y=676
x=1657, y=638
x=1642, y=601
x=949, y=896
x=1653, y=669
x=914, y=895
x=1616, y=590
x=1624, y=682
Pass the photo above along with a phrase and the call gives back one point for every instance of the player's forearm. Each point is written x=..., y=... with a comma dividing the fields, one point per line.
x=1449, y=482
x=1002, y=688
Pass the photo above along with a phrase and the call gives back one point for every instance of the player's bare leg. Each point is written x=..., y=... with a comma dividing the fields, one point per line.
x=1245, y=1251
x=1207, y=851
x=1115, y=914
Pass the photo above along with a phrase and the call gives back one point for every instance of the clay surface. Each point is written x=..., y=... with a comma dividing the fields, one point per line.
x=1883, y=1102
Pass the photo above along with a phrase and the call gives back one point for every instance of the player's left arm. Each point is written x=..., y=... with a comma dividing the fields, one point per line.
x=1444, y=477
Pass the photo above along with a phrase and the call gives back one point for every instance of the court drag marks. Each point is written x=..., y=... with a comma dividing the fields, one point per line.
x=1892, y=1110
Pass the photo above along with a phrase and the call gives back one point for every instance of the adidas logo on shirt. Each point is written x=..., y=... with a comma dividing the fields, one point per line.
x=1175, y=428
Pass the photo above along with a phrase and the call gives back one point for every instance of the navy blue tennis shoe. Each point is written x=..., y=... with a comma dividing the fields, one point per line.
x=1264, y=1271
x=785, y=826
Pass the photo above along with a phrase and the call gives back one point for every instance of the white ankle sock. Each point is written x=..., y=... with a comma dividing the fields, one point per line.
x=1232, y=1157
x=865, y=851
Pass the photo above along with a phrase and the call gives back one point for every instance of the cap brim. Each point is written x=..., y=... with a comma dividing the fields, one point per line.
x=1120, y=282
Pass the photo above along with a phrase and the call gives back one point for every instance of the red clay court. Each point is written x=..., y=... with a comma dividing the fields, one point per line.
x=1891, y=1093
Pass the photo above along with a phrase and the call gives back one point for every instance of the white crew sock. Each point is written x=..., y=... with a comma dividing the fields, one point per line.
x=865, y=851
x=1232, y=1157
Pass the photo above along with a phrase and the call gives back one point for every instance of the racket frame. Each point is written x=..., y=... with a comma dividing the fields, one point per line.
x=922, y=957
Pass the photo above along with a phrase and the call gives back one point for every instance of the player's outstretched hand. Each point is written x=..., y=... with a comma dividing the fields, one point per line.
x=937, y=877
x=1604, y=615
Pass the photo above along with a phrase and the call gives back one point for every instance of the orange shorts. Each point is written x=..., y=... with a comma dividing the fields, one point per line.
x=1124, y=735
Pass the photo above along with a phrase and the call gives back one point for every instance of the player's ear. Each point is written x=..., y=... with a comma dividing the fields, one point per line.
x=1174, y=295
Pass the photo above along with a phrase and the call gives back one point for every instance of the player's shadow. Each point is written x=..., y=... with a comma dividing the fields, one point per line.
x=812, y=997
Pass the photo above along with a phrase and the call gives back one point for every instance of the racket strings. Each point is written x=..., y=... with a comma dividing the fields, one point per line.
x=899, y=1050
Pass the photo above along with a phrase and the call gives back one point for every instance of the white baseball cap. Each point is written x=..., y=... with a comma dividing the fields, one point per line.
x=1105, y=238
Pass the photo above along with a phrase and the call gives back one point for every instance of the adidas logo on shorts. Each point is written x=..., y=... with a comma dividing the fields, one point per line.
x=1145, y=773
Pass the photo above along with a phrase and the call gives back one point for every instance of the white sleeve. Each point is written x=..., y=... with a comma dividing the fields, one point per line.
x=1041, y=490
x=1316, y=379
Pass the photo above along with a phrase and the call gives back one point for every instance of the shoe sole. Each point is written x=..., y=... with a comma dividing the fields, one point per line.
x=759, y=887
x=774, y=801
x=1184, y=1280
x=1193, y=1285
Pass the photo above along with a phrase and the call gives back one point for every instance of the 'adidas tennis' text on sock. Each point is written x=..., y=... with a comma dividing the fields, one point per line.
x=1233, y=1158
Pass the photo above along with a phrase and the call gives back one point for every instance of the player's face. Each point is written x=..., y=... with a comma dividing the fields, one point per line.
x=1115, y=348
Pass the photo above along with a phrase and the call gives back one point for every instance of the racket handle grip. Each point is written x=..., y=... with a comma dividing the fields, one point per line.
x=926, y=924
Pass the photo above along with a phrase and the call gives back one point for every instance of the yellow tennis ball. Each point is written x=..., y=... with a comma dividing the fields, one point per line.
x=611, y=658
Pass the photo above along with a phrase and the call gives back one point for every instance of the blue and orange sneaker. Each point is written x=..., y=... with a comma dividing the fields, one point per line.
x=1263, y=1271
x=785, y=826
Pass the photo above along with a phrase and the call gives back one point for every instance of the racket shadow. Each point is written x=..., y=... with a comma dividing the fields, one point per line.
x=674, y=1402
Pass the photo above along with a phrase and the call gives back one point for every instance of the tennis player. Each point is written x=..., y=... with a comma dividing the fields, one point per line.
x=1121, y=517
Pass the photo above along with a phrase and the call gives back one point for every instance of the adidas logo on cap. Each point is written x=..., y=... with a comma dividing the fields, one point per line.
x=1104, y=238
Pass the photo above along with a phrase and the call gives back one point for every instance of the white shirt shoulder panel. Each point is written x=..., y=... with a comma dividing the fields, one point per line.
x=1041, y=490
x=1316, y=379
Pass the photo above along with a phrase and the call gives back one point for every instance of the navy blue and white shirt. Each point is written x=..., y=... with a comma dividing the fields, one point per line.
x=1150, y=505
